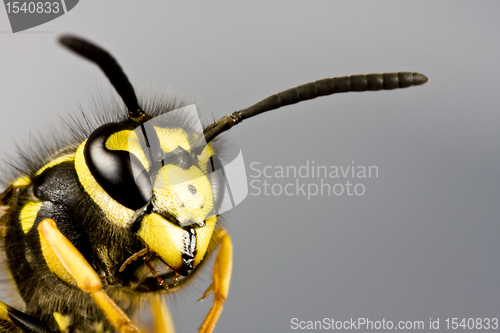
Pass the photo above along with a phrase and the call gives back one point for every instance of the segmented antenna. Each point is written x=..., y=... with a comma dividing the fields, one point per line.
x=363, y=82
x=113, y=71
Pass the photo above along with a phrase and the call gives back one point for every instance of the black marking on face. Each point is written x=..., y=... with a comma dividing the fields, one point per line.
x=138, y=221
x=152, y=142
x=192, y=189
x=189, y=252
x=180, y=157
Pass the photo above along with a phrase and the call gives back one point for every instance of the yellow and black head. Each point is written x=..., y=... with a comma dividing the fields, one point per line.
x=152, y=176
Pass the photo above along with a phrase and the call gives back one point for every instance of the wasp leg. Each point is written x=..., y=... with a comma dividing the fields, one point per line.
x=154, y=272
x=163, y=322
x=134, y=257
x=84, y=275
x=10, y=319
x=222, y=277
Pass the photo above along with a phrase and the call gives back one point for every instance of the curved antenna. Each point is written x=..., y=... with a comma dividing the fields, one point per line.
x=363, y=82
x=113, y=71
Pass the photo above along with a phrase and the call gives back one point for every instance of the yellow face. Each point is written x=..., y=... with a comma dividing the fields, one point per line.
x=183, y=194
x=180, y=224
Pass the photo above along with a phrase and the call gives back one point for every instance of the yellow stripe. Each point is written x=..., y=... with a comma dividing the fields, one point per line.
x=120, y=140
x=206, y=153
x=127, y=140
x=4, y=311
x=203, y=237
x=171, y=138
x=116, y=213
x=28, y=215
x=59, y=160
x=62, y=321
x=99, y=327
x=21, y=181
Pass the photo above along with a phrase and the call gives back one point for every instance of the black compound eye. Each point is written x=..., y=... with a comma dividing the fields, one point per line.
x=119, y=173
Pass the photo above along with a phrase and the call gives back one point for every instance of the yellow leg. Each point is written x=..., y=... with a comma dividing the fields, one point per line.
x=222, y=278
x=84, y=275
x=161, y=316
x=4, y=311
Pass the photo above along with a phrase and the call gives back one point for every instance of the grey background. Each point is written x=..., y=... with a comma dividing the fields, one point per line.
x=421, y=243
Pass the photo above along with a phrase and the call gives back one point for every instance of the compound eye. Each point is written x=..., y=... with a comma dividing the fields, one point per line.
x=120, y=173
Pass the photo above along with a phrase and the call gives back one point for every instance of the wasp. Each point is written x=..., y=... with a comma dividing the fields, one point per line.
x=130, y=209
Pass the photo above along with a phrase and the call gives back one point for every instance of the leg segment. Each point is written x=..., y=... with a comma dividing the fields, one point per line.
x=134, y=257
x=161, y=316
x=154, y=272
x=84, y=275
x=222, y=277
